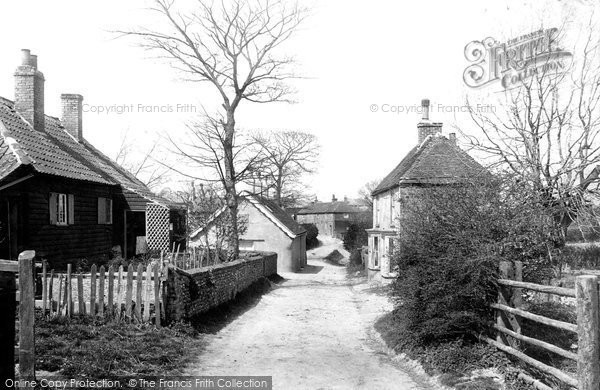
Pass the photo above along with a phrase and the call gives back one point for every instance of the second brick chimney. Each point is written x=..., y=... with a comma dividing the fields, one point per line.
x=29, y=91
x=72, y=114
x=426, y=128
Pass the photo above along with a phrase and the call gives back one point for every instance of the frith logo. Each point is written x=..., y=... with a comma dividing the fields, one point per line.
x=514, y=61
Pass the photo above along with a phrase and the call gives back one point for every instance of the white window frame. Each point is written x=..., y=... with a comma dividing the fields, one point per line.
x=376, y=243
x=61, y=207
x=62, y=210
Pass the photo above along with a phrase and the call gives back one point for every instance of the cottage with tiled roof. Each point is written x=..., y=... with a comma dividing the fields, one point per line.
x=332, y=218
x=265, y=227
x=436, y=160
x=61, y=196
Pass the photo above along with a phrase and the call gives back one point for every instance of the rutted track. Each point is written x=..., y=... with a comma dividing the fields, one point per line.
x=313, y=331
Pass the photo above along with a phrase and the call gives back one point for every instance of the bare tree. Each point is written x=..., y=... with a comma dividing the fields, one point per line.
x=141, y=163
x=547, y=134
x=365, y=193
x=233, y=47
x=288, y=156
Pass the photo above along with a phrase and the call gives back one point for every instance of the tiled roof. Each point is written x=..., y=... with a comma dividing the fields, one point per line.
x=39, y=150
x=55, y=152
x=338, y=207
x=275, y=213
x=436, y=161
x=281, y=215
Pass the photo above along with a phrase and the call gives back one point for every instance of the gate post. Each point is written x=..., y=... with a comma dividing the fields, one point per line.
x=505, y=297
x=8, y=308
x=26, y=316
x=588, y=363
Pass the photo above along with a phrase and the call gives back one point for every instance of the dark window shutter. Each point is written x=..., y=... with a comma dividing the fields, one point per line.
x=71, y=209
x=53, y=204
x=101, y=210
x=109, y=211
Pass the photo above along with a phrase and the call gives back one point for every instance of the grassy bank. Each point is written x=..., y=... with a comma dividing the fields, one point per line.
x=85, y=347
x=459, y=363
x=92, y=348
x=470, y=365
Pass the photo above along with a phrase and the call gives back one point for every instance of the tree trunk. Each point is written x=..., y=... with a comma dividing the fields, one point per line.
x=230, y=191
x=278, y=187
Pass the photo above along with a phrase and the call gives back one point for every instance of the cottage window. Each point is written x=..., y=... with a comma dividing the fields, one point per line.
x=61, y=207
x=105, y=211
x=376, y=251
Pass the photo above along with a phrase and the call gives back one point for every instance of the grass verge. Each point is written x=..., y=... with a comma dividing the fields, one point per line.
x=93, y=348
x=460, y=363
x=97, y=349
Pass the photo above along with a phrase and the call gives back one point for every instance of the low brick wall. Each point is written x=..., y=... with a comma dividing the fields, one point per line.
x=195, y=291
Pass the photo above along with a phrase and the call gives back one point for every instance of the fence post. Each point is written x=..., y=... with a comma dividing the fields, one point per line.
x=505, y=295
x=518, y=292
x=26, y=316
x=588, y=364
x=8, y=308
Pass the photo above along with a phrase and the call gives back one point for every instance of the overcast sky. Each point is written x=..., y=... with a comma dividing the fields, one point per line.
x=358, y=57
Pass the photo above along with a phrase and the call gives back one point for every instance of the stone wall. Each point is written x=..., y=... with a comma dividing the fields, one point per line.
x=196, y=291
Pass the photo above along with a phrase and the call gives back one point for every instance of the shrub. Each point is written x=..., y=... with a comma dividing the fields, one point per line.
x=312, y=232
x=458, y=355
x=578, y=257
x=355, y=257
x=451, y=241
x=356, y=236
x=561, y=338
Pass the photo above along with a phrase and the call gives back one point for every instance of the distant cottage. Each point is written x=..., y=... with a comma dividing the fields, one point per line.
x=332, y=218
x=267, y=227
x=61, y=196
x=435, y=161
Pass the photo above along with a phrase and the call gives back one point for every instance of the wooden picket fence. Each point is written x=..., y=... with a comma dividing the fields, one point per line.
x=509, y=336
x=195, y=257
x=133, y=294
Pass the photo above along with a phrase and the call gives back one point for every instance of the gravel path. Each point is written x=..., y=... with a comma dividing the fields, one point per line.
x=313, y=331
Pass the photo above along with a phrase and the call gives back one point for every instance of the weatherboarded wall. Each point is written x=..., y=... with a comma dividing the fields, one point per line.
x=196, y=291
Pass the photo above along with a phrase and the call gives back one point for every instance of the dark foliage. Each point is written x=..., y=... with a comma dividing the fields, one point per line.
x=356, y=236
x=561, y=338
x=312, y=232
x=578, y=257
x=453, y=358
x=355, y=257
x=451, y=241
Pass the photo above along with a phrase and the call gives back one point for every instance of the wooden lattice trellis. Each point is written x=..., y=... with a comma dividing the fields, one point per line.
x=157, y=226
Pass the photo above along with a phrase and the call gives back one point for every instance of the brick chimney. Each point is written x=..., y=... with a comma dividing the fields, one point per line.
x=333, y=198
x=29, y=91
x=426, y=127
x=452, y=138
x=72, y=114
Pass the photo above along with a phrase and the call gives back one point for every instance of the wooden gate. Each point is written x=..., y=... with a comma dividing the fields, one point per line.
x=509, y=310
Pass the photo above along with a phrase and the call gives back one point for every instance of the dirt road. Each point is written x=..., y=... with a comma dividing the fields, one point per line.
x=313, y=331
